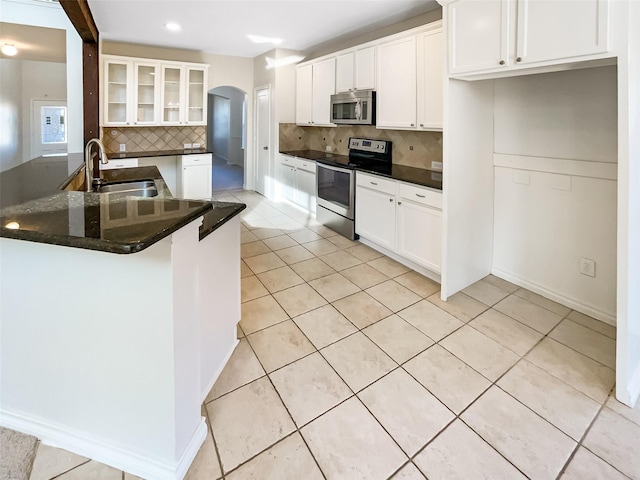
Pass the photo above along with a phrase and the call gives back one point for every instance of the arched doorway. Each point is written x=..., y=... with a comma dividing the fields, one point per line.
x=226, y=136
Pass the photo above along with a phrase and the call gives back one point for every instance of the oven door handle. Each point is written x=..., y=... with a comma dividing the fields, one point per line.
x=337, y=169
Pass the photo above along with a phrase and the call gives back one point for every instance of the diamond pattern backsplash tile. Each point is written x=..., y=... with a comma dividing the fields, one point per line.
x=413, y=149
x=152, y=139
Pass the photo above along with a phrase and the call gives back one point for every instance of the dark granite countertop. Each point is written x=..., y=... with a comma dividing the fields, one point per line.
x=159, y=153
x=418, y=176
x=105, y=222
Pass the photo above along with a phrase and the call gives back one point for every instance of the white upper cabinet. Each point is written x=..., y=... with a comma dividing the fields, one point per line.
x=396, y=84
x=486, y=35
x=430, y=75
x=356, y=70
x=315, y=83
x=148, y=92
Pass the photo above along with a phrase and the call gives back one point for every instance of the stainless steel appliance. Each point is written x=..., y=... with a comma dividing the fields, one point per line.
x=336, y=182
x=354, y=108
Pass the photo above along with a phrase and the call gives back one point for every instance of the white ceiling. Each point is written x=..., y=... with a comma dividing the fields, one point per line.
x=222, y=26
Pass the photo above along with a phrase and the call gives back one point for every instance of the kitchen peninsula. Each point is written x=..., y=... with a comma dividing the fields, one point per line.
x=117, y=315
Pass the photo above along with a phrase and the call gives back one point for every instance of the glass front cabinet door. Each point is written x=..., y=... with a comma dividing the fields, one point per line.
x=146, y=80
x=116, y=106
x=173, y=93
x=197, y=96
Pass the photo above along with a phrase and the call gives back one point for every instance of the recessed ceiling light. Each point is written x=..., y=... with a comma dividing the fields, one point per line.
x=172, y=26
x=259, y=39
x=9, y=50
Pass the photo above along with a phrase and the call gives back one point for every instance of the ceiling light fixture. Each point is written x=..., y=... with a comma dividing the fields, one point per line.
x=9, y=49
x=259, y=39
x=174, y=27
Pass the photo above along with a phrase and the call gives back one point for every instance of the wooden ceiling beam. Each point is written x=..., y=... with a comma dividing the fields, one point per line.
x=80, y=15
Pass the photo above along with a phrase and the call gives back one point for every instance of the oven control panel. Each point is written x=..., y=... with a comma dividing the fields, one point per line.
x=365, y=145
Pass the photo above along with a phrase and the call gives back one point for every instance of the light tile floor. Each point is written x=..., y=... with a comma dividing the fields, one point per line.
x=351, y=367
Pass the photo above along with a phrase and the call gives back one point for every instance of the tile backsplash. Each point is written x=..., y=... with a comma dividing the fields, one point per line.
x=414, y=149
x=151, y=139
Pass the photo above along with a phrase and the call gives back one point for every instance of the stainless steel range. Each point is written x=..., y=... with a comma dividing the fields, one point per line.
x=336, y=182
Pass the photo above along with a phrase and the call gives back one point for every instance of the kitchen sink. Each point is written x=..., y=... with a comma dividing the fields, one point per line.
x=137, y=188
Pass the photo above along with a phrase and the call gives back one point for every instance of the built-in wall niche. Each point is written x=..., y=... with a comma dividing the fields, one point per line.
x=555, y=185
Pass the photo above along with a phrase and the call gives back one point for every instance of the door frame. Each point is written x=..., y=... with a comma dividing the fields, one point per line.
x=268, y=184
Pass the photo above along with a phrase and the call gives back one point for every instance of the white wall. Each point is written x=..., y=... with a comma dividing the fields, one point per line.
x=11, y=114
x=555, y=188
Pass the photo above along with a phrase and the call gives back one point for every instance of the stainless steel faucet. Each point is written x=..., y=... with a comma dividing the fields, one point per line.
x=88, y=162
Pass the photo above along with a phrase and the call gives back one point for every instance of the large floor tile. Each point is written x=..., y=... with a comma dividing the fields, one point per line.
x=323, y=231
x=206, y=465
x=362, y=309
x=530, y=314
x=280, y=242
x=294, y=254
x=263, y=233
x=485, y=292
x=418, y=283
x=616, y=440
x=280, y=345
x=245, y=271
x=480, y=352
x=397, y=338
x=261, y=313
x=288, y=459
x=594, y=345
x=309, y=387
x=586, y=466
x=460, y=454
x=92, y=470
x=321, y=247
x=593, y=324
x=393, y=295
x=247, y=237
x=364, y=253
x=461, y=306
x=251, y=249
x=501, y=283
x=341, y=259
x=247, y=421
x=358, y=360
x=298, y=300
x=430, y=320
x=579, y=371
x=388, y=266
x=632, y=414
x=349, y=444
x=324, y=325
x=555, y=401
x=49, y=462
x=264, y=262
x=533, y=445
x=280, y=279
x=343, y=242
x=508, y=332
x=334, y=287
x=243, y=367
x=406, y=410
x=451, y=380
x=252, y=288
x=312, y=269
x=543, y=302
x=364, y=276
x=305, y=236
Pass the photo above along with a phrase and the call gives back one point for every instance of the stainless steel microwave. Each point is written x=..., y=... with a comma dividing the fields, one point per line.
x=354, y=108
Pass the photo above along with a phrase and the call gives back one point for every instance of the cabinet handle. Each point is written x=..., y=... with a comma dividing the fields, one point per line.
x=519, y=59
x=399, y=203
x=391, y=199
x=373, y=183
x=418, y=195
x=422, y=124
x=413, y=124
x=501, y=62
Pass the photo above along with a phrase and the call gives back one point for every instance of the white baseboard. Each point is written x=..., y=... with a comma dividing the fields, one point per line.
x=96, y=449
x=569, y=302
x=214, y=377
x=400, y=259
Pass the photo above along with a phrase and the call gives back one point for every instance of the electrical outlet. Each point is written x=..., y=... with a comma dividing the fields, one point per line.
x=123, y=147
x=588, y=267
x=436, y=165
x=410, y=147
x=328, y=148
x=187, y=145
x=195, y=145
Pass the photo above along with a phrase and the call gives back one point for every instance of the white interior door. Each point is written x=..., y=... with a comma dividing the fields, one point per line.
x=48, y=128
x=263, y=143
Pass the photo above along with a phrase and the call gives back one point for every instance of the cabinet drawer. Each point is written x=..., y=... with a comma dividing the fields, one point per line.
x=120, y=163
x=188, y=160
x=375, y=182
x=420, y=195
x=288, y=160
x=306, y=165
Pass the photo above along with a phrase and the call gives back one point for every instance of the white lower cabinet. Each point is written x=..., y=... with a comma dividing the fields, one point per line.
x=297, y=181
x=194, y=176
x=401, y=217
